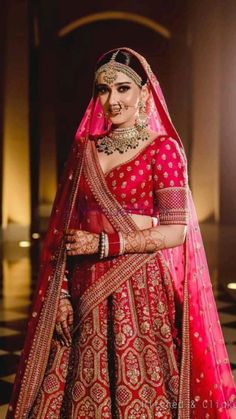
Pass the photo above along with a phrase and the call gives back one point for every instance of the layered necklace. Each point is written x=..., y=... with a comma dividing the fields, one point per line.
x=121, y=139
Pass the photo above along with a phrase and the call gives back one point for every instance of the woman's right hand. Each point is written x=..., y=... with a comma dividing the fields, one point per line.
x=81, y=242
x=64, y=321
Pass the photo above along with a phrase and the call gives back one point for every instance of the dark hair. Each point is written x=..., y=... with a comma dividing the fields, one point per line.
x=124, y=57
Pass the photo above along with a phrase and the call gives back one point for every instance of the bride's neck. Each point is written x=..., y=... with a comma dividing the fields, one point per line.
x=121, y=126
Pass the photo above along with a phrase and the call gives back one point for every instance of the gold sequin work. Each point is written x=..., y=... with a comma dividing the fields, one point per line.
x=139, y=181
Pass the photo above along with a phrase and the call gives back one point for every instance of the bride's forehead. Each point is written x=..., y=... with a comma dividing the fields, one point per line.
x=119, y=78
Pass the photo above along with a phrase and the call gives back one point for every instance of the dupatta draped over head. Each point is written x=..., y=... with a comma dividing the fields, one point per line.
x=206, y=383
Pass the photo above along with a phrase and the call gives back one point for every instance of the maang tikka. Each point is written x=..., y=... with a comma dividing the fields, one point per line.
x=112, y=67
x=110, y=73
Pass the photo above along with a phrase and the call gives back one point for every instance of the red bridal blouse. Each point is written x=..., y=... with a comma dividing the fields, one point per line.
x=153, y=182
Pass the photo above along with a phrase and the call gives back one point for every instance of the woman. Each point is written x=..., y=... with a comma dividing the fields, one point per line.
x=124, y=323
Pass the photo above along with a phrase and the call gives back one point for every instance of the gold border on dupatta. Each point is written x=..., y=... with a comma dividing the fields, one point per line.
x=109, y=282
x=184, y=389
x=39, y=351
x=126, y=265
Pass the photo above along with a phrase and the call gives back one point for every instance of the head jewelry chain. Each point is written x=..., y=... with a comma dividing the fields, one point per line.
x=112, y=67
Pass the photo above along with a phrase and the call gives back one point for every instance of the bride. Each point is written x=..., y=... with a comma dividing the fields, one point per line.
x=124, y=322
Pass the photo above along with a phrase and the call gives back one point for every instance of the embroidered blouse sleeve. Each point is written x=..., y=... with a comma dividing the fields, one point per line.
x=170, y=183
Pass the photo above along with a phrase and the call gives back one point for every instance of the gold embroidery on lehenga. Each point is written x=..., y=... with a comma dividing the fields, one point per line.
x=104, y=410
x=78, y=391
x=51, y=407
x=138, y=344
x=86, y=409
x=98, y=393
x=88, y=360
x=86, y=331
x=126, y=266
x=137, y=410
x=147, y=393
x=124, y=395
x=131, y=369
x=51, y=384
x=61, y=361
x=140, y=366
x=153, y=369
x=92, y=373
x=97, y=343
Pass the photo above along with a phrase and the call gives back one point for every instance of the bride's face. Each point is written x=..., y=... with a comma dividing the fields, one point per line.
x=120, y=99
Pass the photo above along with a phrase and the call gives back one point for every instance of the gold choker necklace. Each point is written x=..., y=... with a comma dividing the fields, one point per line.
x=121, y=139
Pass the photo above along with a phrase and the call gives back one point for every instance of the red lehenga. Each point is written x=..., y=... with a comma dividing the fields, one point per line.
x=147, y=341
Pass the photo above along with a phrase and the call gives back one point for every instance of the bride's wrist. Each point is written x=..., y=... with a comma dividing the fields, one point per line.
x=64, y=294
x=112, y=244
x=96, y=243
x=144, y=241
x=135, y=242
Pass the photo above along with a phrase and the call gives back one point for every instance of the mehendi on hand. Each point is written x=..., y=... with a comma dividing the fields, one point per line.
x=144, y=241
x=80, y=242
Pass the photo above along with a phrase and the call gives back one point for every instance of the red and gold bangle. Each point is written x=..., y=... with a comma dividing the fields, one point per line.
x=114, y=244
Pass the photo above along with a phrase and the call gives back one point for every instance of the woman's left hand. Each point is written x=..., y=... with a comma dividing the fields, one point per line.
x=64, y=321
x=81, y=242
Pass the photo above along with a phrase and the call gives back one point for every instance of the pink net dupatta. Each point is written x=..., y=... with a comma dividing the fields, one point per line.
x=207, y=389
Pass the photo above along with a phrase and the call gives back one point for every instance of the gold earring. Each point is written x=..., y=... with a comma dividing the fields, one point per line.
x=141, y=121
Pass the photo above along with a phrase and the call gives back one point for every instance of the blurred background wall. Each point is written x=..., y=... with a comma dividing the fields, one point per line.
x=48, y=53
